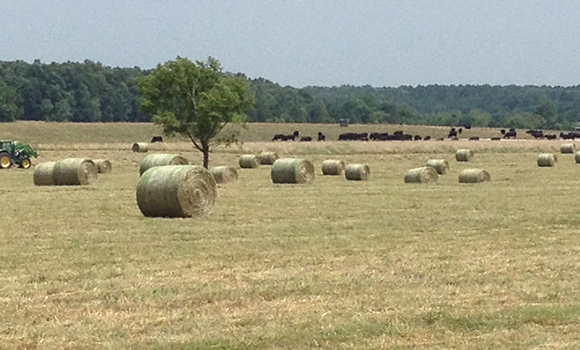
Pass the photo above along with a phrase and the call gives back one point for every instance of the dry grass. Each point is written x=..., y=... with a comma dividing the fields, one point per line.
x=439, y=266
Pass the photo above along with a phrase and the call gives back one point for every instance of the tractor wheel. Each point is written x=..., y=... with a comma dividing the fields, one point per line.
x=25, y=163
x=5, y=160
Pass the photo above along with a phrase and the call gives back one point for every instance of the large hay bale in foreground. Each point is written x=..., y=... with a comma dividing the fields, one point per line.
x=440, y=165
x=463, y=155
x=425, y=174
x=249, y=161
x=176, y=191
x=292, y=171
x=74, y=172
x=577, y=157
x=43, y=174
x=161, y=159
x=224, y=174
x=568, y=148
x=547, y=160
x=140, y=147
x=103, y=166
x=357, y=172
x=268, y=158
x=471, y=176
x=333, y=167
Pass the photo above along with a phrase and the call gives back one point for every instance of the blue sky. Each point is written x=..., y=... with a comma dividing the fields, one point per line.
x=300, y=43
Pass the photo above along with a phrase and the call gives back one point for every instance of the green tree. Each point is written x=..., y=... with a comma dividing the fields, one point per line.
x=10, y=103
x=196, y=100
x=479, y=118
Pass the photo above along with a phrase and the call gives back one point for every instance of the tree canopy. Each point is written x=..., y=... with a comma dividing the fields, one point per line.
x=195, y=100
x=91, y=92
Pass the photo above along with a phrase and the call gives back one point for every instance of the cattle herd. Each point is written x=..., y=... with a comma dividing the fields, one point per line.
x=401, y=136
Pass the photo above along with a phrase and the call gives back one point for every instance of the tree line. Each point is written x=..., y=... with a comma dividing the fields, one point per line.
x=91, y=92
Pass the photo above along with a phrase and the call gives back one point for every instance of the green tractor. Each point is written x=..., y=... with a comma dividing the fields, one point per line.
x=14, y=152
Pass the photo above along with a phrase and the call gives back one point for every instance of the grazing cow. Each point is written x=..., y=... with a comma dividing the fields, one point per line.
x=321, y=136
x=400, y=136
x=379, y=136
x=511, y=134
x=568, y=135
x=550, y=136
x=353, y=136
x=459, y=131
x=452, y=133
x=537, y=134
x=427, y=138
x=305, y=139
x=474, y=138
x=284, y=137
x=417, y=138
x=156, y=139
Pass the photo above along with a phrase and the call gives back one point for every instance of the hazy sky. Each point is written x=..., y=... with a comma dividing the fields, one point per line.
x=311, y=42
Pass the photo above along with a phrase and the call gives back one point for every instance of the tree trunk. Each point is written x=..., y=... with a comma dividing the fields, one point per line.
x=205, y=150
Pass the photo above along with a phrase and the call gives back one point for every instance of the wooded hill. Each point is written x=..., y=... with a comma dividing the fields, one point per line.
x=91, y=92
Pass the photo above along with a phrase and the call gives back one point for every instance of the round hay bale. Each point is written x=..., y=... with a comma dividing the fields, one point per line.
x=249, y=161
x=357, y=172
x=43, y=174
x=333, y=167
x=161, y=159
x=103, y=166
x=547, y=160
x=268, y=158
x=568, y=148
x=74, y=172
x=425, y=174
x=577, y=157
x=471, y=176
x=463, y=155
x=292, y=171
x=176, y=191
x=440, y=165
x=140, y=147
x=224, y=174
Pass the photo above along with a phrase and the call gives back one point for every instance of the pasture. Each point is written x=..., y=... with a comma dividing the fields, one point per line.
x=334, y=264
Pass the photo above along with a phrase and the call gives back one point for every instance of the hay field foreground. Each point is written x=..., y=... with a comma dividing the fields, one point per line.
x=334, y=264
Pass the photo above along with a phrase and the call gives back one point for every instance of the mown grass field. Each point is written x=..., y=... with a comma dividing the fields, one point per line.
x=332, y=265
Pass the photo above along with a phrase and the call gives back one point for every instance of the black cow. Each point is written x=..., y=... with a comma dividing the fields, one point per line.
x=427, y=138
x=537, y=134
x=417, y=138
x=474, y=138
x=452, y=133
x=321, y=136
x=353, y=136
x=568, y=135
x=550, y=136
x=305, y=139
x=156, y=139
x=496, y=138
x=284, y=137
x=467, y=126
x=399, y=136
x=459, y=131
x=379, y=136
x=511, y=134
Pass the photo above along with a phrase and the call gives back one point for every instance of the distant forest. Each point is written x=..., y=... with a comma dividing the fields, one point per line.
x=91, y=92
